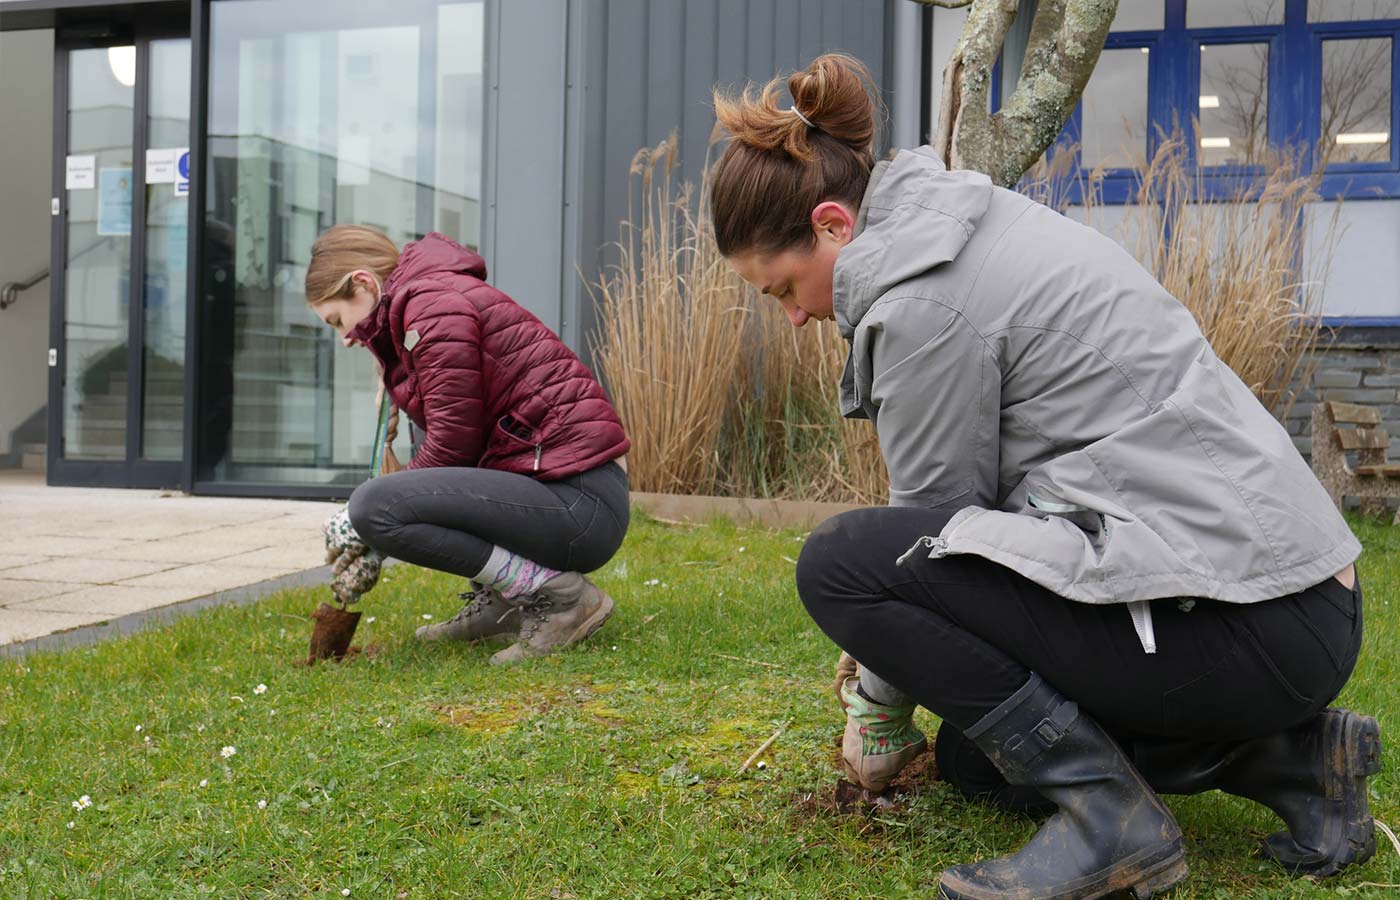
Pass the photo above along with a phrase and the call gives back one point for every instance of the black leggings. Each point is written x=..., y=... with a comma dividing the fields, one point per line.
x=960, y=634
x=449, y=518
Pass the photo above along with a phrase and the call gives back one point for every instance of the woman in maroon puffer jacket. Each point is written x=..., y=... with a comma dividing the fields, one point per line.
x=517, y=484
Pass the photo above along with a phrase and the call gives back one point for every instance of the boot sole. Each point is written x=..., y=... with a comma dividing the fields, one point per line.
x=1143, y=878
x=1353, y=835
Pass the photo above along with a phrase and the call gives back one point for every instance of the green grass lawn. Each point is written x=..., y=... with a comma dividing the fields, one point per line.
x=607, y=772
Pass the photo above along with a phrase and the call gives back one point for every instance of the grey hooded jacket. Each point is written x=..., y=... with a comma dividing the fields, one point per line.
x=1026, y=371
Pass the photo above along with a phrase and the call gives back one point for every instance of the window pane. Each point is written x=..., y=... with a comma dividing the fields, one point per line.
x=1224, y=13
x=321, y=113
x=1356, y=100
x=1138, y=15
x=1113, y=129
x=1234, y=104
x=1352, y=10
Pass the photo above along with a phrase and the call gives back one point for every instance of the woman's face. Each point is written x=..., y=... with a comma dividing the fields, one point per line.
x=344, y=313
x=800, y=280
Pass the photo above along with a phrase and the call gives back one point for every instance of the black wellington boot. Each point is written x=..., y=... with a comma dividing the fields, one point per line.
x=1313, y=776
x=963, y=765
x=1111, y=833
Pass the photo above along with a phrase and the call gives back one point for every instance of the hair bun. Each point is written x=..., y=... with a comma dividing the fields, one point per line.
x=835, y=95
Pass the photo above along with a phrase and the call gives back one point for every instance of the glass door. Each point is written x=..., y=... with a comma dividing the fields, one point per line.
x=121, y=213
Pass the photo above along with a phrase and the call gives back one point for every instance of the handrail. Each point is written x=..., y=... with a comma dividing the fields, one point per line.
x=9, y=292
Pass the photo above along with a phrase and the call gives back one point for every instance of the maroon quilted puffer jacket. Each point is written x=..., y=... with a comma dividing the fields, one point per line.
x=487, y=382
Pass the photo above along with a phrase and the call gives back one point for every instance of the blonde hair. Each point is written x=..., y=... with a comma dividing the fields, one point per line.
x=781, y=163
x=341, y=251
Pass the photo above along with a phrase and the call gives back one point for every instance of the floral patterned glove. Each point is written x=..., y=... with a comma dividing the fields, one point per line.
x=354, y=576
x=356, y=566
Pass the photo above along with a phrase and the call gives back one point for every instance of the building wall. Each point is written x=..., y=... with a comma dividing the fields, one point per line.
x=612, y=77
x=1358, y=366
x=26, y=109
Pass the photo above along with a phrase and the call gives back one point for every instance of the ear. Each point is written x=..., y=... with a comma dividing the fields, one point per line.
x=833, y=220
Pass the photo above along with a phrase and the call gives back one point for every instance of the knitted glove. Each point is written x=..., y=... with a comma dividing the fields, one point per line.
x=354, y=576
x=356, y=566
x=341, y=537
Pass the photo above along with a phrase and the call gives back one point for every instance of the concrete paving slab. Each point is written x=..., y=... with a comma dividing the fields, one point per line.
x=20, y=591
x=207, y=577
x=109, y=600
x=26, y=624
x=89, y=571
x=11, y=562
x=105, y=561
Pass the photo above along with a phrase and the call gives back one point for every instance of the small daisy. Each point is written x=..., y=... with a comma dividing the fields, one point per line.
x=70, y=824
x=204, y=782
x=138, y=729
x=200, y=729
x=614, y=646
x=260, y=689
x=345, y=892
x=652, y=583
x=262, y=804
x=147, y=739
x=425, y=616
x=742, y=549
x=370, y=620
x=228, y=751
x=82, y=803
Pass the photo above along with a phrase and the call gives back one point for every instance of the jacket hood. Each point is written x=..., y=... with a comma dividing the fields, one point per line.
x=435, y=253
x=915, y=215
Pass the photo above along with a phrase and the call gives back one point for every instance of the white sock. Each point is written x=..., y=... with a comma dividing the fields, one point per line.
x=881, y=691
x=512, y=574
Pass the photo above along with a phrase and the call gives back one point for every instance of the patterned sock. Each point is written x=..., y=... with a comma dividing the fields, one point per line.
x=513, y=575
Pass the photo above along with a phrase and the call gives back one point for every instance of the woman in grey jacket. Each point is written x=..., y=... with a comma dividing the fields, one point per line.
x=1104, y=564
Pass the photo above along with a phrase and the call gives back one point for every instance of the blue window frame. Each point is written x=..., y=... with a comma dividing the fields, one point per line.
x=1293, y=97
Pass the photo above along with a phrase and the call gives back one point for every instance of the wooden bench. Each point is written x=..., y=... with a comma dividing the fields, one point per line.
x=1373, y=480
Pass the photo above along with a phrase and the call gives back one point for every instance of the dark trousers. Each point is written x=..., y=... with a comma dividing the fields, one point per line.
x=449, y=518
x=961, y=634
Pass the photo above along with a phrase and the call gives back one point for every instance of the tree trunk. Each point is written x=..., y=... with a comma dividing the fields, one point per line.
x=1066, y=38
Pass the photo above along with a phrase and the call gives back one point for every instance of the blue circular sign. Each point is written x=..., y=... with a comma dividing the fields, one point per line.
x=184, y=165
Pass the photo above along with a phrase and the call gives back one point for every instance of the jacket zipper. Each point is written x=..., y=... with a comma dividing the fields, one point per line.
x=539, y=451
x=937, y=548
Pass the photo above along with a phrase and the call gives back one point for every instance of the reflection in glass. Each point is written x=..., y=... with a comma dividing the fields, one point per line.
x=372, y=115
x=1352, y=10
x=1225, y=13
x=97, y=276
x=1138, y=15
x=1356, y=98
x=167, y=229
x=1234, y=104
x=1113, y=129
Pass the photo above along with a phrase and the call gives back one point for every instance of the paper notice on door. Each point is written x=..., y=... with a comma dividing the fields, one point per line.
x=160, y=165
x=114, y=202
x=81, y=173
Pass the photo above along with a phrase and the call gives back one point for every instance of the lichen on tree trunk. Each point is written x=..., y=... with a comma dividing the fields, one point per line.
x=1066, y=38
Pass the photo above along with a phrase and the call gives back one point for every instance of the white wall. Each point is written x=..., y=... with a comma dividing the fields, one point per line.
x=1363, y=278
x=26, y=109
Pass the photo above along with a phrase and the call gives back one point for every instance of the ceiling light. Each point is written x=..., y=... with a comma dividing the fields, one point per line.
x=1210, y=101
x=1216, y=143
x=123, y=63
x=1363, y=137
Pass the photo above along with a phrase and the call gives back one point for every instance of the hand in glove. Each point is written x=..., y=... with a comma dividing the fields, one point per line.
x=355, y=565
x=354, y=576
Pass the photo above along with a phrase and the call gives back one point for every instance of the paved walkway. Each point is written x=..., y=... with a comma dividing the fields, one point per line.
x=74, y=557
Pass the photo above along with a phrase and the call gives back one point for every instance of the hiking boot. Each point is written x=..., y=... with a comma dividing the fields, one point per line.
x=879, y=740
x=486, y=615
x=565, y=610
x=1313, y=776
x=1111, y=833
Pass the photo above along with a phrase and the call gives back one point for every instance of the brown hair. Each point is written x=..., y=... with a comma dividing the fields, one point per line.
x=342, y=250
x=777, y=167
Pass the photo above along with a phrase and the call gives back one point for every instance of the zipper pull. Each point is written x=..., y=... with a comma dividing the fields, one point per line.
x=937, y=546
x=539, y=451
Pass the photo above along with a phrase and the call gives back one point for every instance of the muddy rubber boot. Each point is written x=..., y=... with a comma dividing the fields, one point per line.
x=965, y=767
x=1111, y=833
x=567, y=609
x=486, y=615
x=879, y=740
x=1314, y=776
